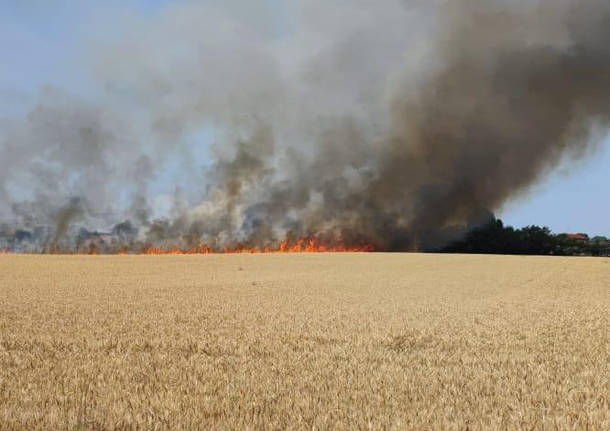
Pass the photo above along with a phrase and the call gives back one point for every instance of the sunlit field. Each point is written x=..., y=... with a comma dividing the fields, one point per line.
x=307, y=341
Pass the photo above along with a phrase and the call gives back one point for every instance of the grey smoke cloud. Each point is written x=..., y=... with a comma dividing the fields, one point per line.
x=374, y=122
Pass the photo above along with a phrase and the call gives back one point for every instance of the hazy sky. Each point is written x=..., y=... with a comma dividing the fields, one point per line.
x=42, y=44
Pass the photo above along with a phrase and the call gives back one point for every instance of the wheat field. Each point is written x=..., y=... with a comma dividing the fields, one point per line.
x=307, y=341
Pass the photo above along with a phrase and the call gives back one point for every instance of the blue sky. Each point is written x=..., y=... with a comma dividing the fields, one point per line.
x=39, y=45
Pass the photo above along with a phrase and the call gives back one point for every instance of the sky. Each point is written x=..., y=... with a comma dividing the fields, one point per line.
x=41, y=44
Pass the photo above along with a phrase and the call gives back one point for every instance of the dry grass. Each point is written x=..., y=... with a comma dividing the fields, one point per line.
x=304, y=342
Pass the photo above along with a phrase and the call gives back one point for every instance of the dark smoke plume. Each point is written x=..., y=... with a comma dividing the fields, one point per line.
x=386, y=123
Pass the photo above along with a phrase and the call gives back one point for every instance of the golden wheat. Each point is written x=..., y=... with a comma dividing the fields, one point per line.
x=316, y=341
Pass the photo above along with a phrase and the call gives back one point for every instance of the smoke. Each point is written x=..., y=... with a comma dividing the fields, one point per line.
x=386, y=123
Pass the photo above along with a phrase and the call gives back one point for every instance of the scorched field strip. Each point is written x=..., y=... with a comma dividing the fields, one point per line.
x=324, y=341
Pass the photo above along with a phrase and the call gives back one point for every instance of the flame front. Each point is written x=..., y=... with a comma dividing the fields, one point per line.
x=302, y=245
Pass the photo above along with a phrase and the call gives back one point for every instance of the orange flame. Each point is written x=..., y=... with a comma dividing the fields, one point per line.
x=301, y=245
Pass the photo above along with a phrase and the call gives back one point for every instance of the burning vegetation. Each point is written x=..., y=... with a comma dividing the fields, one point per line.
x=342, y=134
x=92, y=243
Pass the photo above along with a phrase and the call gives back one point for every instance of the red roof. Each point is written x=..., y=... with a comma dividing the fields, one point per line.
x=577, y=237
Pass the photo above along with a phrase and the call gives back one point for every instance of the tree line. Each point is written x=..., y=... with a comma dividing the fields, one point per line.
x=495, y=238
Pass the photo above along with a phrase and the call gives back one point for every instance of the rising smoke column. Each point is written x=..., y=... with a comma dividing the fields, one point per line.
x=516, y=90
x=382, y=123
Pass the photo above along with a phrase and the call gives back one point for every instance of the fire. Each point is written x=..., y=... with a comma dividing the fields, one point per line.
x=302, y=245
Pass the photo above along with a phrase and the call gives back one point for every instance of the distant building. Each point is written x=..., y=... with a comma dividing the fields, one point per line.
x=578, y=237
